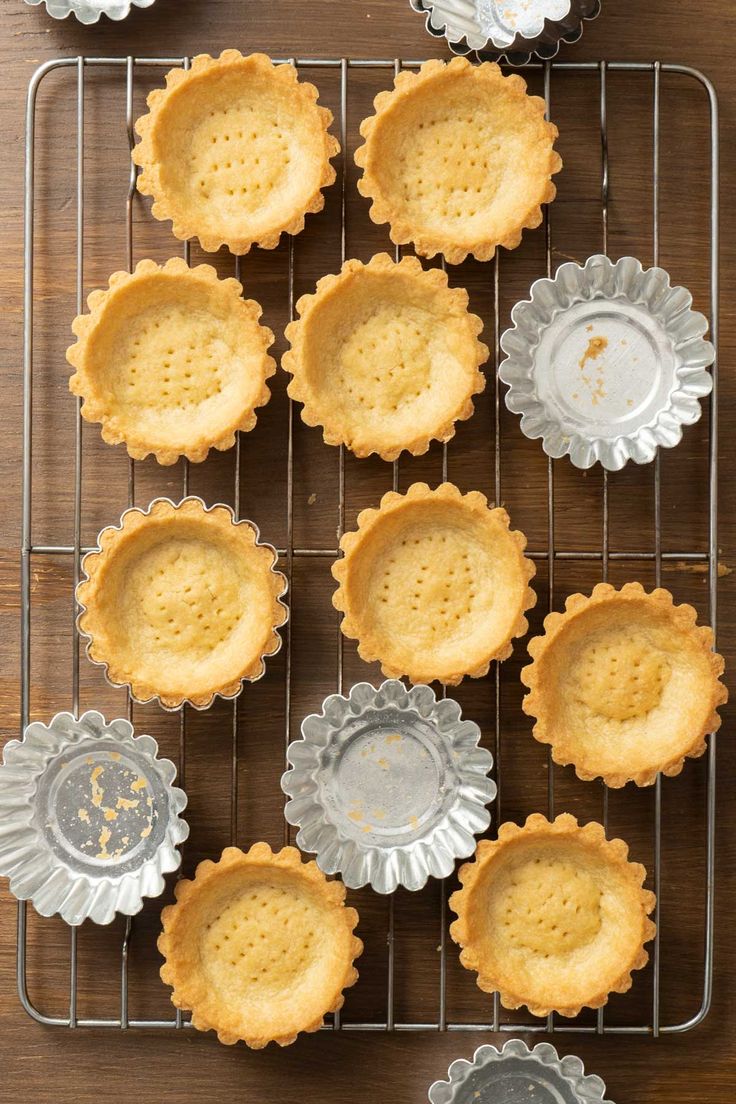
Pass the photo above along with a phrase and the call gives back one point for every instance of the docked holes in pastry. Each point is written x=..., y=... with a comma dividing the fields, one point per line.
x=171, y=361
x=385, y=357
x=235, y=151
x=458, y=159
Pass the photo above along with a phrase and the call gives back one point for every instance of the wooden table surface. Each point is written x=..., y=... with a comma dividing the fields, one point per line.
x=46, y=1064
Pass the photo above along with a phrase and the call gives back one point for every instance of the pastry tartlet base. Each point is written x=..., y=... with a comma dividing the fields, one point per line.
x=624, y=685
x=434, y=584
x=181, y=603
x=171, y=360
x=235, y=151
x=552, y=916
x=259, y=946
x=458, y=159
x=385, y=357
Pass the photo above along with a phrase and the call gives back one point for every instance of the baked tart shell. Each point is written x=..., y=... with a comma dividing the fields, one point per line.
x=313, y=173
x=430, y=235
x=176, y=644
x=98, y=328
x=405, y=421
x=433, y=585
x=585, y=848
x=215, y=929
x=627, y=690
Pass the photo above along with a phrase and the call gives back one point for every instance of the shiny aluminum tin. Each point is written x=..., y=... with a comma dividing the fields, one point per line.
x=388, y=786
x=89, y=818
x=518, y=1075
x=266, y=655
x=89, y=11
x=606, y=362
x=516, y=30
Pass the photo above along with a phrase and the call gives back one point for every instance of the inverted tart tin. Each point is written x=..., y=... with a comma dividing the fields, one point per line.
x=606, y=362
x=513, y=29
x=388, y=786
x=89, y=818
x=518, y=1075
x=89, y=11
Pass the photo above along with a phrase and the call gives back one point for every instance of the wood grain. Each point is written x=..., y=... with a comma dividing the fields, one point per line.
x=44, y=1064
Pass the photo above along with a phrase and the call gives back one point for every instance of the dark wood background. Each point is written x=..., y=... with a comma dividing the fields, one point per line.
x=45, y=1064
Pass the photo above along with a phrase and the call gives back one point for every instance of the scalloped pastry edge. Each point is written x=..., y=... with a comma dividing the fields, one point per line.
x=616, y=853
x=684, y=618
x=259, y=855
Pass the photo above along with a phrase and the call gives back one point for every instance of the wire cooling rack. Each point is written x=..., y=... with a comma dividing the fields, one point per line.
x=697, y=554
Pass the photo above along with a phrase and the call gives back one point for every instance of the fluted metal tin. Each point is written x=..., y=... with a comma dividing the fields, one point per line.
x=518, y=1075
x=606, y=362
x=388, y=786
x=266, y=655
x=89, y=818
x=89, y=11
x=513, y=29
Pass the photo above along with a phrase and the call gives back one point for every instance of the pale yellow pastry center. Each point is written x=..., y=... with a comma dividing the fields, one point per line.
x=387, y=361
x=184, y=597
x=240, y=150
x=173, y=361
x=436, y=589
x=621, y=679
x=549, y=907
x=462, y=159
x=263, y=942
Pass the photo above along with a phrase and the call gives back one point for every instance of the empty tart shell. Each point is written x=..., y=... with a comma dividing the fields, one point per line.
x=458, y=159
x=385, y=357
x=171, y=360
x=181, y=603
x=235, y=151
x=624, y=685
x=553, y=916
x=259, y=946
x=434, y=584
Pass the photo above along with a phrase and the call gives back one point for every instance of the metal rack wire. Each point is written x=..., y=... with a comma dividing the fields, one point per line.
x=605, y=555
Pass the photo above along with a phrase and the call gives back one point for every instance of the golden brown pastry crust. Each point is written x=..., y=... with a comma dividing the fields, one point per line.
x=624, y=685
x=181, y=603
x=385, y=357
x=572, y=919
x=458, y=159
x=181, y=400
x=204, y=178
x=263, y=905
x=434, y=584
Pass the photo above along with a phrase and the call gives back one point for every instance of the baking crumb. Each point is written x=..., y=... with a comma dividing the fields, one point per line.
x=83, y=815
x=394, y=738
x=103, y=841
x=382, y=763
x=379, y=814
x=97, y=790
x=110, y=814
x=146, y=831
x=127, y=803
x=311, y=500
x=139, y=784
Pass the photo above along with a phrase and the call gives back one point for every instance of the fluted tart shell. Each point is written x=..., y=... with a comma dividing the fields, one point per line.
x=624, y=684
x=181, y=603
x=552, y=916
x=259, y=946
x=171, y=361
x=434, y=584
x=235, y=151
x=458, y=159
x=385, y=357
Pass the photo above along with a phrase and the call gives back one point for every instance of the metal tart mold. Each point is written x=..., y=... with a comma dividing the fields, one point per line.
x=515, y=1072
x=91, y=819
x=89, y=11
x=607, y=362
x=255, y=671
x=515, y=32
x=388, y=786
